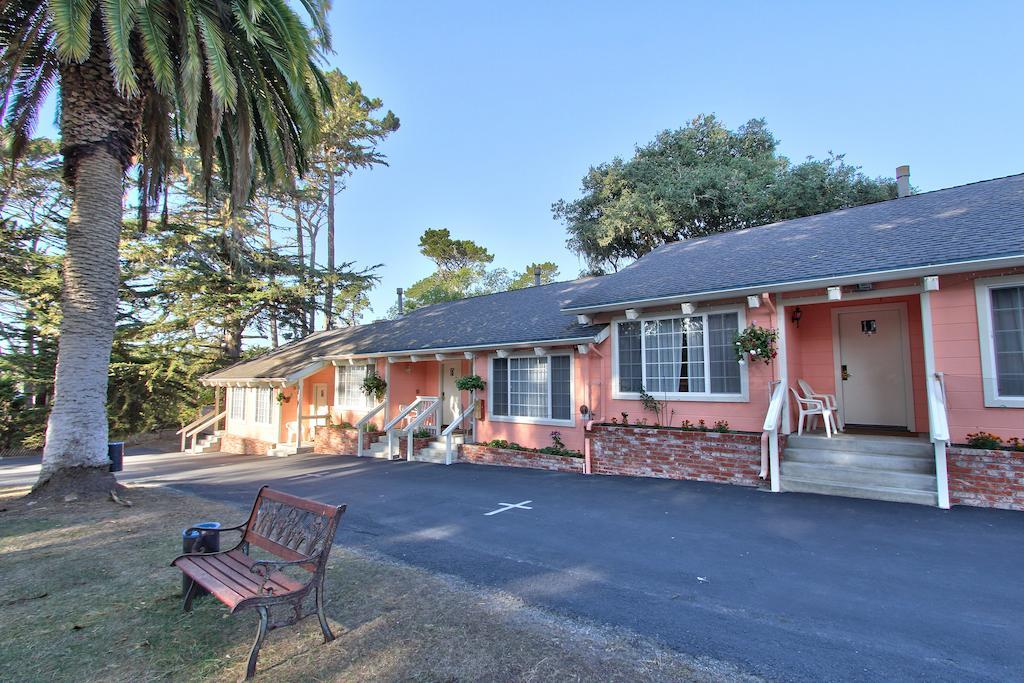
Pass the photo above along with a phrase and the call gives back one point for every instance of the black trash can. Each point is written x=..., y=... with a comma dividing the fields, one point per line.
x=194, y=541
x=115, y=451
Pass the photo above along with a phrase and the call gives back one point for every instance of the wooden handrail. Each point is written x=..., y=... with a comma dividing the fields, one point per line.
x=770, y=436
x=193, y=423
x=362, y=423
x=210, y=419
x=390, y=426
x=410, y=430
x=450, y=429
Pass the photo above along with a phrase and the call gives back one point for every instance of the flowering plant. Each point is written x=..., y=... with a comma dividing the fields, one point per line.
x=758, y=343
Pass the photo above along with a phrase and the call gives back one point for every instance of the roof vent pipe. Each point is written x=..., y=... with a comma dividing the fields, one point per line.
x=903, y=181
x=536, y=276
x=401, y=301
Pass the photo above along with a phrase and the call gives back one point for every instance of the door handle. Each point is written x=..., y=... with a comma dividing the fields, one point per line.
x=845, y=374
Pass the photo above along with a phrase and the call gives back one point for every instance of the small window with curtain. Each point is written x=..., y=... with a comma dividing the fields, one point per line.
x=237, y=403
x=532, y=388
x=679, y=356
x=264, y=402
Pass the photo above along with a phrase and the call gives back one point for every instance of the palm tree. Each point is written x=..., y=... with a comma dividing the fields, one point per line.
x=238, y=77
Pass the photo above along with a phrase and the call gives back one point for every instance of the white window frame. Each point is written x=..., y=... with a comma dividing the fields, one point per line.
x=571, y=422
x=367, y=402
x=266, y=395
x=237, y=399
x=706, y=396
x=983, y=296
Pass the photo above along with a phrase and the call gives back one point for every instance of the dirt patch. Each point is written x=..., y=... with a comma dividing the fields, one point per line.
x=89, y=595
x=82, y=483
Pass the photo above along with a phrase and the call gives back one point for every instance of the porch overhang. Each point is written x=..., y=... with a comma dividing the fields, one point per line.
x=278, y=382
x=799, y=285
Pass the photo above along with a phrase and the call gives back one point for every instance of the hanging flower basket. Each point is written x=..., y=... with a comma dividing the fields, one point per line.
x=758, y=343
x=374, y=386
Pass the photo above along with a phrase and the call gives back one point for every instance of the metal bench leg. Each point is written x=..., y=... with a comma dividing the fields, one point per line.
x=324, y=626
x=190, y=594
x=254, y=653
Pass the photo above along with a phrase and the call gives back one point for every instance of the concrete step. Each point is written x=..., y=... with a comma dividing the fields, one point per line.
x=380, y=450
x=859, y=476
x=434, y=456
x=287, y=450
x=878, y=461
x=884, y=445
x=833, y=488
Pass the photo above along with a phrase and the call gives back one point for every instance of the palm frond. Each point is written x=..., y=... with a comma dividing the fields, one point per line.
x=71, y=22
x=119, y=18
x=154, y=28
x=219, y=72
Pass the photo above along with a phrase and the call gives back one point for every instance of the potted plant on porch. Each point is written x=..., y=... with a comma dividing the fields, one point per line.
x=375, y=386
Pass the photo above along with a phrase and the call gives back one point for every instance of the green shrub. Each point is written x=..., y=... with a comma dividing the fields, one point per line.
x=422, y=433
x=470, y=383
x=984, y=440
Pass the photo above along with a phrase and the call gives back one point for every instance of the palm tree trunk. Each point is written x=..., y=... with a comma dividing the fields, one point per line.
x=76, y=435
x=99, y=133
x=329, y=292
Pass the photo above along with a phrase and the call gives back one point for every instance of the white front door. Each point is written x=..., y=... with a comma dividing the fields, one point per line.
x=320, y=404
x=451, y=397
x=873, y=366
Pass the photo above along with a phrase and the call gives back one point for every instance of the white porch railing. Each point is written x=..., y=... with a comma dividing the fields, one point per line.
x=469, y=412
x=938, y=433
x=365, y=420
x=392, y=429
x=770, y=436
x=429, y=418
x=192, y=429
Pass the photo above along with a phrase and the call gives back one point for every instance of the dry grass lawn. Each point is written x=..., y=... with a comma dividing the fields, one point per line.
x=86, y=593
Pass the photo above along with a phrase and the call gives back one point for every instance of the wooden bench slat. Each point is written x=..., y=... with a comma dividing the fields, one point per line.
x=226, y=594
x=242, y=563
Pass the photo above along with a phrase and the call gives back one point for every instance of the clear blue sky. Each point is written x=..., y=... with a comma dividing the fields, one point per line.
x=504, y=106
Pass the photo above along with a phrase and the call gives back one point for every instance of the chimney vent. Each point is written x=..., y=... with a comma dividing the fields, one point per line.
x=536, y=276
x=401, y=302
x=903, y=181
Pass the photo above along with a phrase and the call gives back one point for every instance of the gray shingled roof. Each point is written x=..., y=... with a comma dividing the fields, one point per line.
x=971, y=222
x=526, y=315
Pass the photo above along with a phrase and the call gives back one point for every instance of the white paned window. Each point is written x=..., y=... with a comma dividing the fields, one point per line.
x=264, y=404
x=1000, y=305
x=1008, y=339
x=237, y=403
x=532, y=388
x=680, y=356
x=349, y=392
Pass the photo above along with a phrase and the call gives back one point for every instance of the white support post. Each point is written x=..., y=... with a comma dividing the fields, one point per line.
x=298, y=415
x=387, y=392
x=928, y=337
x=783, y=362
x=773, y=461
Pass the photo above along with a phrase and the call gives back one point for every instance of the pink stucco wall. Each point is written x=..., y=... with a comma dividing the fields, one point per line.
x=958, y=355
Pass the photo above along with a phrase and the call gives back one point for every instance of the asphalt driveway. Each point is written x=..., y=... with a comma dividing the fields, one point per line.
x=790, y=586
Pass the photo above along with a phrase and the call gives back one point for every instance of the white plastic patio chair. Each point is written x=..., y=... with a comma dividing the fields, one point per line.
x=812, y=407
x=828, y=399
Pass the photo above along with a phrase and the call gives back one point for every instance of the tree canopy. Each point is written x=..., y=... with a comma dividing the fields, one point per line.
x=702, y=179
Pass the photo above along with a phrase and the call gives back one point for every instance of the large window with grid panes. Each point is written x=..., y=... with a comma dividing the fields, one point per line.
x=531, y=388
x=1001, y=324
x=683, y=357
x=349, y=391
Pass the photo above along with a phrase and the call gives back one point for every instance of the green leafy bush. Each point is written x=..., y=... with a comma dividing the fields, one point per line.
x=422, y=433
x=374, y=386
x=990, y=441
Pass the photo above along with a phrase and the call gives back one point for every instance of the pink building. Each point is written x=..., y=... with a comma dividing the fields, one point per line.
x=909, y=313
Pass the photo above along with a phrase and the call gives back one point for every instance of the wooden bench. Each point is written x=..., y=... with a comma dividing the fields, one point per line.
x=298, y=533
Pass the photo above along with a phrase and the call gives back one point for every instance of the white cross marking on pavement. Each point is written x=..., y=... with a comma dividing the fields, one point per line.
x=509, y=506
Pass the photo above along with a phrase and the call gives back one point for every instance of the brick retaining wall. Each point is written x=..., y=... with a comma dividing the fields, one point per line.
x=986, y=478
x=486, y=455
x=243, y=445
x=340, y=440
x=731, y=458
